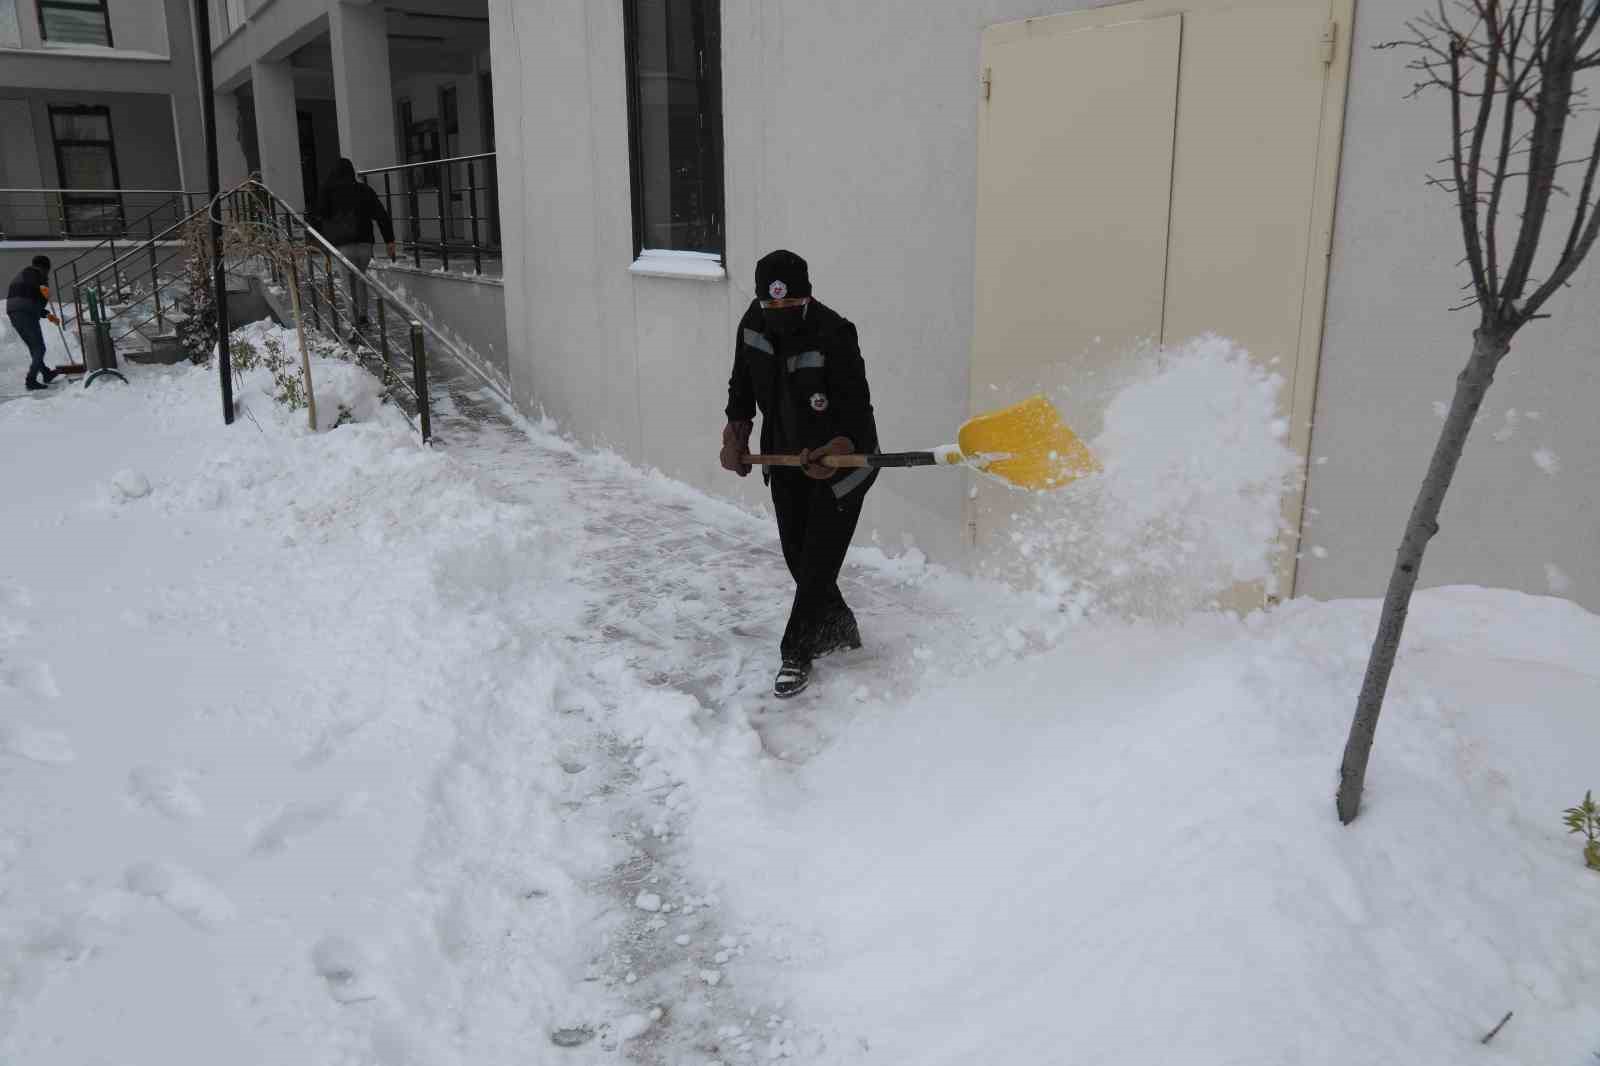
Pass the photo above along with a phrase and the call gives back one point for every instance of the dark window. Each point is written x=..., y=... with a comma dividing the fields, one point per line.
x=486, y=110
x=309, y=180
x=75, y=21
x=86, y=158
x=450, y=121
x=421, y=141
x=675, y=123
x=486, y=98
x=248, y=144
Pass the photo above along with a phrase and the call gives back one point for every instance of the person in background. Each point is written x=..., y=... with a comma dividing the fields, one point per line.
x=347, y=209
x=28, y=304
x=799, y=363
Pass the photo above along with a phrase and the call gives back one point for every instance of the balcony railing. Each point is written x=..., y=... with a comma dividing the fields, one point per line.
x=91, y=214
x=444, y=210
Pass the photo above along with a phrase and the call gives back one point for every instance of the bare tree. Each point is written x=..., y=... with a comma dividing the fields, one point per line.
x=1511, y=69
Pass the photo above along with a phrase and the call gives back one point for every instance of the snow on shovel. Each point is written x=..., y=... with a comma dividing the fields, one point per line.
x=1025, y=445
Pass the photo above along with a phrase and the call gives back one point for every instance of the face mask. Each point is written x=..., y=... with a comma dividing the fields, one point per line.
x=782, y=321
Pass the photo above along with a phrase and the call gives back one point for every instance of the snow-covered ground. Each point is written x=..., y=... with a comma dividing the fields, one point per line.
x=333, y=749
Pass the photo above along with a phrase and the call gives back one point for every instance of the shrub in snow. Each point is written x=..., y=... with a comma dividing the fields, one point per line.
x=197, y=331
x=263, y=349
x=1585, y=819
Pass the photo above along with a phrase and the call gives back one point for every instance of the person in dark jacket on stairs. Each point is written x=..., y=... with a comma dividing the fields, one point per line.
x=27, y=304
x=347, y=208
x=799, y=363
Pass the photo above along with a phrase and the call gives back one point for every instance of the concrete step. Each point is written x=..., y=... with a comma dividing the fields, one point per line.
x=164, y=350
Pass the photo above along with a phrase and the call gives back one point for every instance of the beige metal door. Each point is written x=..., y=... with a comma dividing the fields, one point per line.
x=1075, y=167
x=1244, y=175
x=1255, y=90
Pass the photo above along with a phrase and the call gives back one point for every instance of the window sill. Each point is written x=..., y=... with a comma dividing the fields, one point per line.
x=81, y=51
x=696, y=266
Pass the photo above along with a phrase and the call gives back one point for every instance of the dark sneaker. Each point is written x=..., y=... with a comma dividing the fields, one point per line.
x=34, y=386
x=50, y=375
x=792, y=678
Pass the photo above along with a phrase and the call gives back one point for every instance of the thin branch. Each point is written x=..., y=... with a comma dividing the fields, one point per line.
x=1490, y=1035
x=1467, y=200
x=1497, y=182
x=1549, y=126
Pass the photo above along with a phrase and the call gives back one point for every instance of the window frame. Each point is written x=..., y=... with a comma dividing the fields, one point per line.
x=109, y=144
x=102, y=6
x=678, y=262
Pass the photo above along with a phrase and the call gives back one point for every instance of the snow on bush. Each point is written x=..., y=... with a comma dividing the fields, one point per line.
x=267, y=356
x=1197, y=463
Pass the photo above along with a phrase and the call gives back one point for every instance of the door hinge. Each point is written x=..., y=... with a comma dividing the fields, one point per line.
x=1330, y=39
x=986, y=79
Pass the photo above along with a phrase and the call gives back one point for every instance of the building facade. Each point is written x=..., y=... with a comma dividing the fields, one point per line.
x=99, y=114
x=1007, y=195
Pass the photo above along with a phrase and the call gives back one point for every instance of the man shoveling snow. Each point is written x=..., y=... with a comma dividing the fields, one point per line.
x=799, y=362
x=27, y=304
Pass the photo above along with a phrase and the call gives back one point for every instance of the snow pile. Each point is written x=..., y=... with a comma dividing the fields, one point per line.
x=344, y=392
x=331, y=748
x=1197, y=463
x=1125, y=851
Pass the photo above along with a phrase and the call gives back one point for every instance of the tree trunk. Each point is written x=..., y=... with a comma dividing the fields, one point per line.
x=1472, y=384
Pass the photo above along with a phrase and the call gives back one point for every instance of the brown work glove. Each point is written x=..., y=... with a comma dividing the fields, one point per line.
x=836, y=446
x=735, y=446
x=390, y=247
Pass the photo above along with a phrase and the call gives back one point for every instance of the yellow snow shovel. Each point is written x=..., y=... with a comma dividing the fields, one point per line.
x=1026, y=445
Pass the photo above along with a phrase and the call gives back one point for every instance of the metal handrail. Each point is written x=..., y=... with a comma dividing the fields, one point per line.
x=425, y=163
x=163, y=235
x=128, y=228
x=109, y=192
x=446, y=187
x=371, y=281
x=146, y=246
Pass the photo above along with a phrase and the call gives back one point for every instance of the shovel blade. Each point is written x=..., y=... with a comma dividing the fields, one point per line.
x=1027, y=445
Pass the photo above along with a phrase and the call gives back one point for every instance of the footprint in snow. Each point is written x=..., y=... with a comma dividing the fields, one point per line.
x=299, y=819
x=32, y=680
x=343, y=964
x=44, y=746
x=187, y=894
x=165, y=791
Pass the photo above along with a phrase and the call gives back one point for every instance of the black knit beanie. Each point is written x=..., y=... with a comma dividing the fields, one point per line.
x=42, y=262
x=782, y=274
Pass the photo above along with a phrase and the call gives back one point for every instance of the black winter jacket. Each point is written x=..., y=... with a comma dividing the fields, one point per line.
x=346, y=211
x=810, y=387
x=26, y=294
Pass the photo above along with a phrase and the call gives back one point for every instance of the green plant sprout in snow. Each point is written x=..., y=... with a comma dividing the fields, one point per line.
x=1585, y=819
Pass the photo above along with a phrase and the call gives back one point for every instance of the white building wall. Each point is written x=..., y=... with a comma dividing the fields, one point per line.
x=850, y=136
x=1392, y=350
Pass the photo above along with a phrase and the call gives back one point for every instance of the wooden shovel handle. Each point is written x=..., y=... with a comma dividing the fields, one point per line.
x=876, y=460
x=837, y=462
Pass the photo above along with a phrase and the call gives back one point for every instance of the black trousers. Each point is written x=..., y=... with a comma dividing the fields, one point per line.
x=815, y=528
x=26, y=323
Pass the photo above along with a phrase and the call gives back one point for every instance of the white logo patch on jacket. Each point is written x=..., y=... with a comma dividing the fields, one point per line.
x=819, y=402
